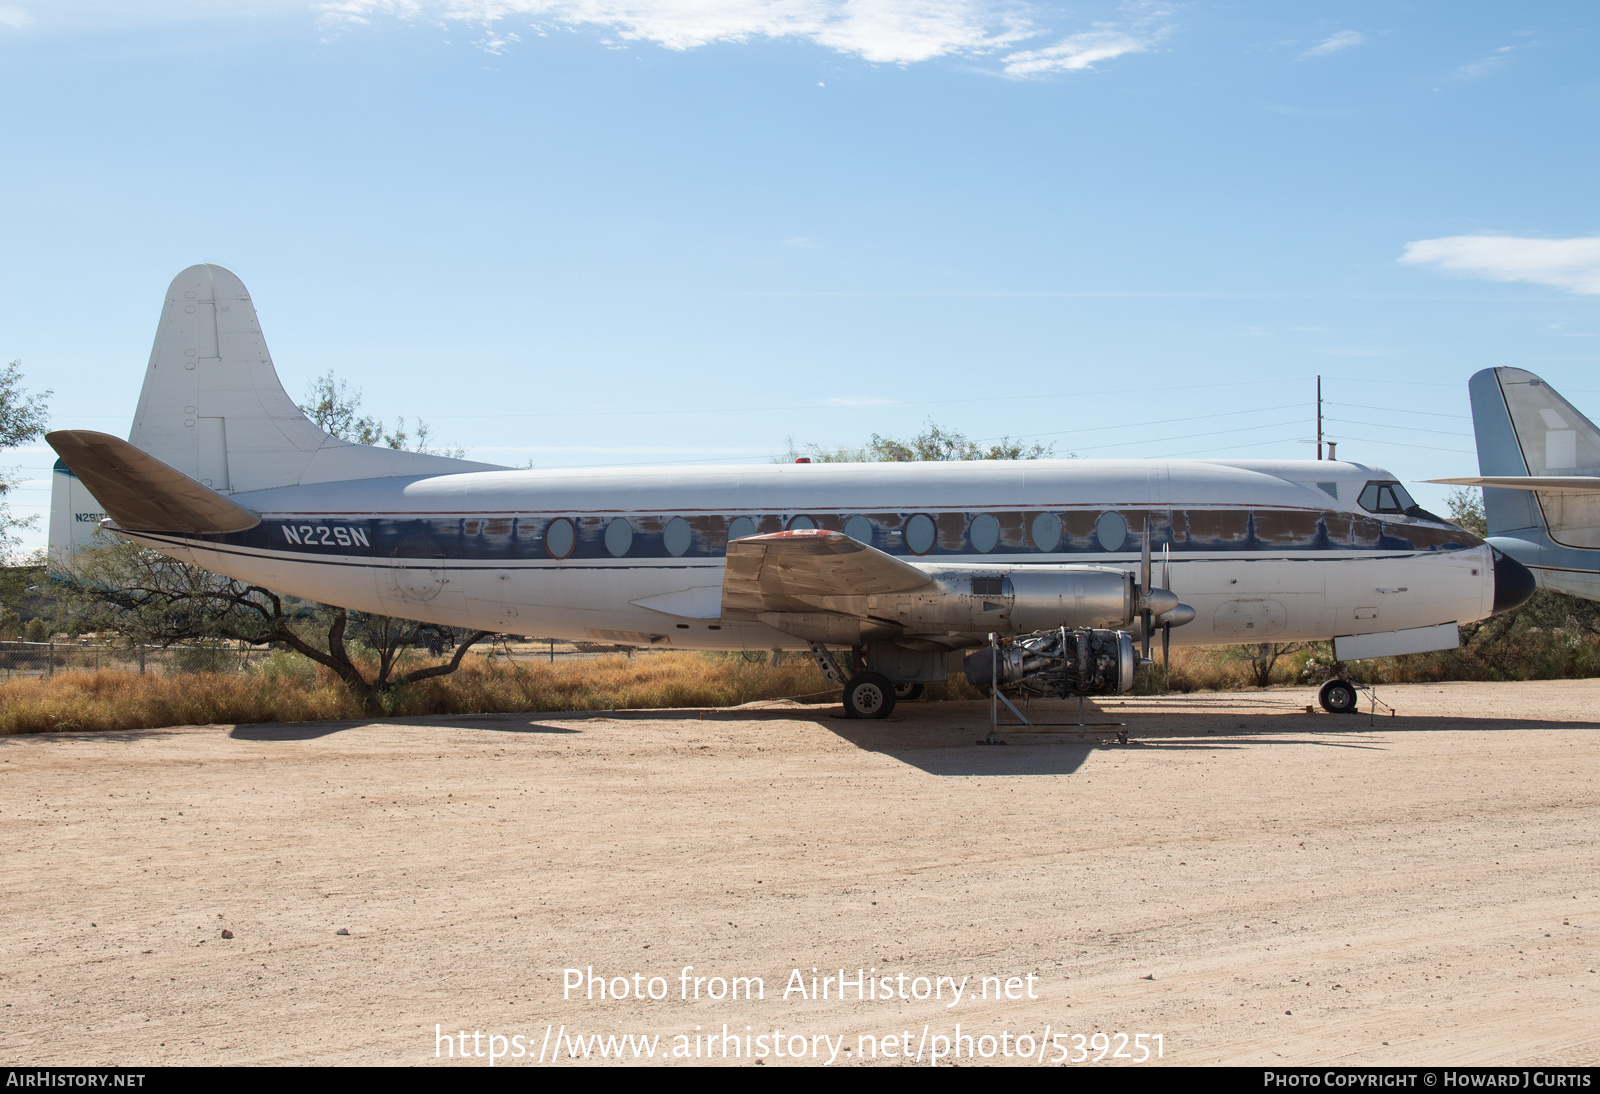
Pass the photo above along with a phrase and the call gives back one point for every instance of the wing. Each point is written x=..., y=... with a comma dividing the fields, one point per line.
x=789, y=571
x=1544, y=484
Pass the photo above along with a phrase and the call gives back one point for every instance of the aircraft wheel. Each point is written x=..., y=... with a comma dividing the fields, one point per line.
x=868, y=696
x=907, y=693
x=1338, y=697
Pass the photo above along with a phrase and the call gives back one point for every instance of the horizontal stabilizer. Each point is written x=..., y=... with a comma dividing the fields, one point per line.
x=1553, y=484
x=140, y=492
x=785, y=571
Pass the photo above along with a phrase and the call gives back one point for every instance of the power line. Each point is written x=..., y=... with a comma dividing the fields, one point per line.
x=1397, y=410
x=1409, y=428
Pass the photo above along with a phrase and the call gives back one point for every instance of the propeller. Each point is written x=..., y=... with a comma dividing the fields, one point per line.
x=1166, y=627
x=1144, y=593
x=1158, y=601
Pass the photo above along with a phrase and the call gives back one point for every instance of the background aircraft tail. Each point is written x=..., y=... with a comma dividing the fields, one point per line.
x=1526, y=430
x=213, y=408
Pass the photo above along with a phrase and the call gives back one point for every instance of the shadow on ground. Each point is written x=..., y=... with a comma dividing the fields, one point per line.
x=950, y=739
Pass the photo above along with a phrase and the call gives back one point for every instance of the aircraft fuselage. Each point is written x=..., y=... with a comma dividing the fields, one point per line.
x=1264, y=551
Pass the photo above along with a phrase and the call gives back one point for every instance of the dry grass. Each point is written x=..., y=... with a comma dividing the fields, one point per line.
x=1539, y=643
x=288, y=688
x=118, y=699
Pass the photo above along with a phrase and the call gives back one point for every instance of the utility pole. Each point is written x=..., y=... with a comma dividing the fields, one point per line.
x=1319, y=417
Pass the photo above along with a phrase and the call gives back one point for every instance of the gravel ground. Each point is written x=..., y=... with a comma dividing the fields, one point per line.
x=1253, y=883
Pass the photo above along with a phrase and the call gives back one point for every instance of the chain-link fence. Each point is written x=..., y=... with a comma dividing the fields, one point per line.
x=49, y=658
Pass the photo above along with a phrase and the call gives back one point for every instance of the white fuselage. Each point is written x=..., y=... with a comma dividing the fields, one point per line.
x=1262, y=551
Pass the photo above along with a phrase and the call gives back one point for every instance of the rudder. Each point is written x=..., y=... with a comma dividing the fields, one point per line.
x=212, y=405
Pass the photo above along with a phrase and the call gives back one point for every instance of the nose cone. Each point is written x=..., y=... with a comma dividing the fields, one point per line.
x=1513, y=582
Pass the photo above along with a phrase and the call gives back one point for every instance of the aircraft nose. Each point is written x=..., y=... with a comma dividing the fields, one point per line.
x=1513, y=582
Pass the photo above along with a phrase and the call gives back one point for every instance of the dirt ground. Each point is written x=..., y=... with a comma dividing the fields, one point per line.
x=1253, y=883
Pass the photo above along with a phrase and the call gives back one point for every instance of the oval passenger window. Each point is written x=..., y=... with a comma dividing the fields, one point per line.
x=1111, y=530
x=920, y=534
x=985, y=533
x=677, y=536
x=799, y=523
x=1046, y=531
x=559, y=538
x=859, y=528
x=741, y=527
x=619, y=536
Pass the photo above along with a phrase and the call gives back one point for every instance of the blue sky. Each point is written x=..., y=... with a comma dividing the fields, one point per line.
x=585, y=232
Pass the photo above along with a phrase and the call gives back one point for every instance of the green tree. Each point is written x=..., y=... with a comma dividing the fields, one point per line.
x=1466, y=510
x=337, y=409
x=150, y=599
x=933, y=443
x=23, y=418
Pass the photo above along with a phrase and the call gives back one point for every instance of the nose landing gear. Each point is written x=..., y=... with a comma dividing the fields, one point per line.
x=1338, y=697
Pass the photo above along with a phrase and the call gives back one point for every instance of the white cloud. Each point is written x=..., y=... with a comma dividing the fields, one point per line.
x=879, y=31
x=895, y=31
x=1334, y=43
x=1077, y=51
x=1487, y=65
x=1571, y=264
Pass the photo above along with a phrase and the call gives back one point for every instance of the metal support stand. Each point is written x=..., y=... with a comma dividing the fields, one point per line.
x=996, y=698
x=830, y=668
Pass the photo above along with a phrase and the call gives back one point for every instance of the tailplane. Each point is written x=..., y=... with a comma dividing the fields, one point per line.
x=212, y=406
x=142, y=493
x=1538, y=458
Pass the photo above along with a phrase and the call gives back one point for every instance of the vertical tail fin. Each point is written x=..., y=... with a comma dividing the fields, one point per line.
x=1525, y=428
x=212, y=405
x=75, y=517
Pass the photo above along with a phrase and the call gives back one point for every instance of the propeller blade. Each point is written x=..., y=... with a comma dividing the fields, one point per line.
x=1144, y=561
x=1166, y=559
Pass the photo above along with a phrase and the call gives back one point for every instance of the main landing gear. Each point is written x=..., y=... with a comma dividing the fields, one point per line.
x=868, y=695
x=1338, y=697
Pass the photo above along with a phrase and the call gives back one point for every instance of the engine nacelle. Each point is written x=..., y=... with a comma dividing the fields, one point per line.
x=1024, y=599
x=1059, y=662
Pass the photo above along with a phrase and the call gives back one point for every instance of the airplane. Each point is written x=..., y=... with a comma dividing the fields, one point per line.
x=1539, y=464
x=915, y=567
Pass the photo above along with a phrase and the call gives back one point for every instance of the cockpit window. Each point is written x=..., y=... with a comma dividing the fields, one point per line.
x=1385, y=497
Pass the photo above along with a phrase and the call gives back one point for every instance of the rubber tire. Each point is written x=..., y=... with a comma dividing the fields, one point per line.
x=907, y=693
x=868, y=696
x=1339, y=697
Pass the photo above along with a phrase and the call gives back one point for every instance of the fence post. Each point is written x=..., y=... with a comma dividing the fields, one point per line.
x=51, y=671
x=141, y=667
x=552, y=661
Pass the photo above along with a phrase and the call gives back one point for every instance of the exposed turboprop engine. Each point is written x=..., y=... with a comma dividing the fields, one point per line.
x=1059, y=662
